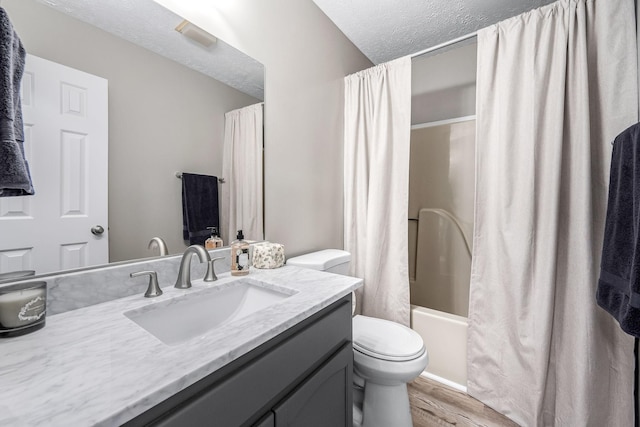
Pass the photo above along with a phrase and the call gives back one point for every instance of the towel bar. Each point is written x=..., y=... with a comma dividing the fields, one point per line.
x=179, y=176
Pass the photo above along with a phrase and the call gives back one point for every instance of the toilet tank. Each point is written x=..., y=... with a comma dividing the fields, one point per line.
x=330, y=260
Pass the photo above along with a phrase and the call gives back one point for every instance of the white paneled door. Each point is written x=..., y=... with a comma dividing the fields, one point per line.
x=66, y=144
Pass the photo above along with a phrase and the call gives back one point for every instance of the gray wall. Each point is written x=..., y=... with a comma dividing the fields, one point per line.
x=163, y=118
x=306, y=59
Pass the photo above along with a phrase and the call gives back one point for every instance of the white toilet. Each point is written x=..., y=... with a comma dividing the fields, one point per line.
x=386, y=356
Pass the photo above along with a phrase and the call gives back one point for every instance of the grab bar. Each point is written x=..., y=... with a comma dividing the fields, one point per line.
x=446, y=215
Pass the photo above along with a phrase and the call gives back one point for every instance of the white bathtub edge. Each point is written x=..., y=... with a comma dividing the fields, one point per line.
x=445, y=337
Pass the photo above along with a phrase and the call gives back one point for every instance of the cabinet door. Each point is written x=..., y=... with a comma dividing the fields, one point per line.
x=322, y=400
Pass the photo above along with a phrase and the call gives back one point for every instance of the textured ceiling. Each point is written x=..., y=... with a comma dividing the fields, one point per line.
x=384, y=29
x=151, y=26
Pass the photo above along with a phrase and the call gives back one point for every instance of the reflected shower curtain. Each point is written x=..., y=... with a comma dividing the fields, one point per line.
x=376, y=174
x=555, y=86
x=242, y=201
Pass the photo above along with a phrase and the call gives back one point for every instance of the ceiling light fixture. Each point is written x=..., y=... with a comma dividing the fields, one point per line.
x=196, y=34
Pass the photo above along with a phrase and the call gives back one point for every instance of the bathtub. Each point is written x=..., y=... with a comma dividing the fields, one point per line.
x=445, y=336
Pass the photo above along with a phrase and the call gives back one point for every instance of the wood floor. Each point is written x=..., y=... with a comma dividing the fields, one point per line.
x=434, y=404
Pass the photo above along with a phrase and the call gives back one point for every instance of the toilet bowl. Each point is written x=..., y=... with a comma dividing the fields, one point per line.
x=386, y=356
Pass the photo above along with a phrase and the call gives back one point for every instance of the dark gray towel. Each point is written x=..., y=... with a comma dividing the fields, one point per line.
x=619, y=285
x=15, y=179
x=199, y=207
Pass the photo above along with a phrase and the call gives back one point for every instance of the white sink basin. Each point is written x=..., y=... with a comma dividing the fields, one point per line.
x=200, y=311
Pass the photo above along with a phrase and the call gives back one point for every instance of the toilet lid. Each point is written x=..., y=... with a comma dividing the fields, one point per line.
x=386, y=340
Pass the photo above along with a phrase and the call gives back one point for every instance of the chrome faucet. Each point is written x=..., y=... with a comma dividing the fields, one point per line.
x=160, y=244
x=184, y=273
x=153, y=290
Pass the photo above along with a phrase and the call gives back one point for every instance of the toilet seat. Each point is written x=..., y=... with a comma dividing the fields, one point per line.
x=386, y=340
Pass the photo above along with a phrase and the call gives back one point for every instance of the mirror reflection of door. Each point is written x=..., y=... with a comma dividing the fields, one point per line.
x=66, y=136
x=167, y=100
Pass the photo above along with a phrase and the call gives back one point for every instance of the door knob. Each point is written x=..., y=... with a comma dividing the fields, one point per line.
x=97, y=230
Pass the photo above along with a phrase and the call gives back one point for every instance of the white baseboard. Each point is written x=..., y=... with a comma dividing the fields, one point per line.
x=444, y=381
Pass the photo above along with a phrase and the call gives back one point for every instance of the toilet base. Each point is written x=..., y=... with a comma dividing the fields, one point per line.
x=384, y=406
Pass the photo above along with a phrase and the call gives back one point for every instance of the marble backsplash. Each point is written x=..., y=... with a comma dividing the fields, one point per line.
x=71, y=290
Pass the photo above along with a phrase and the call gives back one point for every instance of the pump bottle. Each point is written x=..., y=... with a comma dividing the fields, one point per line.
x=214, y=241
x=240, y=260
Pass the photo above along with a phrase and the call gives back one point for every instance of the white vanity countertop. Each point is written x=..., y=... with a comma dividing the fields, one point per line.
x=94, y=366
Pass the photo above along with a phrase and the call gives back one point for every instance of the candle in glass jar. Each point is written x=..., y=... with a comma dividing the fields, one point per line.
x=22, y=305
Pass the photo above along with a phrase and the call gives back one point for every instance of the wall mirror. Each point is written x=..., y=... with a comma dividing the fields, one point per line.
x=167, y=97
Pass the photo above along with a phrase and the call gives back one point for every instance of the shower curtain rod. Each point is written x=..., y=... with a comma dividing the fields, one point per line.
x=445, y=44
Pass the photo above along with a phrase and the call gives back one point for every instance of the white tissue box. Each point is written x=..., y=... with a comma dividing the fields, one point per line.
x=268, y=255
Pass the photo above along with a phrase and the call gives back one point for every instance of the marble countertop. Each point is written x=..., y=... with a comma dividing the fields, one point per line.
x=95, y=367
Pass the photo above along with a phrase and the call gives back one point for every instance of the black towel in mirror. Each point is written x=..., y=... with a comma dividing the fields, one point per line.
x=15, y=177
x=199, y=207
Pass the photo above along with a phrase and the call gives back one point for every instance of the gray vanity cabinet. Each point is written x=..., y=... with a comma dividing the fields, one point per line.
x=321, y=400
x=302, y=377
x=268, y=421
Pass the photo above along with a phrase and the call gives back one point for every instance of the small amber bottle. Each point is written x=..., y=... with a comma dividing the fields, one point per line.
x=214, y=241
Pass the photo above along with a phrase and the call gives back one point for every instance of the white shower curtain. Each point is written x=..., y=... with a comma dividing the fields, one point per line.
x=242, y=199
x=376, y=175
x=555, y=86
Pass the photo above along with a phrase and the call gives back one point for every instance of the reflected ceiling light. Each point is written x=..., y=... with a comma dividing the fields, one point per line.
x=196, y=34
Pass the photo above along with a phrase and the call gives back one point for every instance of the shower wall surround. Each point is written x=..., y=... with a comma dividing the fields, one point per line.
x=72, y=290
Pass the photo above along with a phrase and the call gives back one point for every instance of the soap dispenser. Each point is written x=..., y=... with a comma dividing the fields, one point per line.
x=240, y=260
x=214, y=241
